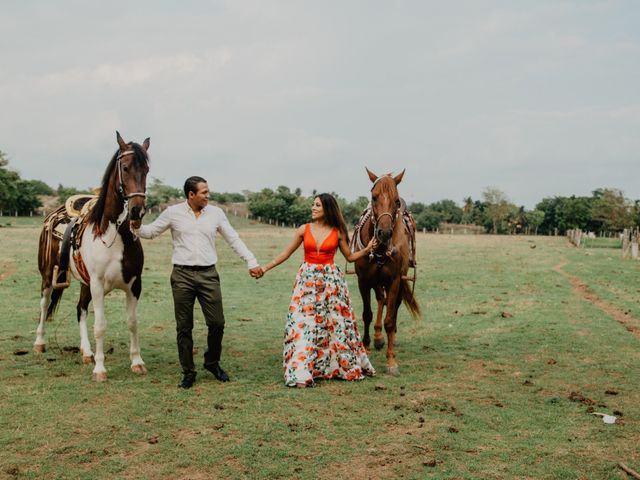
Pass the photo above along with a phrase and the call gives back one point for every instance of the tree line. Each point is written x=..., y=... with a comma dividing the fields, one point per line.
x=605, y=210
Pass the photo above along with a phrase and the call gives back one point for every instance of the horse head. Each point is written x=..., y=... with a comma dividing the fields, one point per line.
x=385, y=204
x=131, y=170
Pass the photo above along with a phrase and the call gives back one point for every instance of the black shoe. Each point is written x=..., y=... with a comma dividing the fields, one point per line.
x=218, y=372
x=187, y=381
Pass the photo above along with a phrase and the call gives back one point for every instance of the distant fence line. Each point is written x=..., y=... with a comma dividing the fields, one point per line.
x=630, y=238
x=459, y=229
x=630, y=243
x=575, y=236
x=15, y=214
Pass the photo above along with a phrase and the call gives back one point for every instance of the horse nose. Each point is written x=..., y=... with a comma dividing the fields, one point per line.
x=137, y=213
x=383, y=235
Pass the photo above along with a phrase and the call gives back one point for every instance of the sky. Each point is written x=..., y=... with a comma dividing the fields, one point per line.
x=536, y=98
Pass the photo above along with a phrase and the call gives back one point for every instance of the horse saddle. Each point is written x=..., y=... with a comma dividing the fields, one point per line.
x=79, y=205
x=410, y=226
x=76, y=207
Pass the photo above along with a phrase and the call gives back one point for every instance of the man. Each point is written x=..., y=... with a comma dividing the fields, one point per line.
x=194, y=225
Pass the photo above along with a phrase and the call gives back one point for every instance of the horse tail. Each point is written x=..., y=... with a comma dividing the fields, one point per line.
x=55, y=300
x=56, y=294
x=63, y=267
x=409, y=300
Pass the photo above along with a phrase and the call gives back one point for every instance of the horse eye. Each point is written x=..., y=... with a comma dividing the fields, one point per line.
x=125, y=168
x=398, y=203
x=374, y=198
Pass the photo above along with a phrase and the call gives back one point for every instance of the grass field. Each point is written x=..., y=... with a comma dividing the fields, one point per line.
x=521, y=339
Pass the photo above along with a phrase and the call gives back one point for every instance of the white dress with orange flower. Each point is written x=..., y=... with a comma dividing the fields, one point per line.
x=321, y=338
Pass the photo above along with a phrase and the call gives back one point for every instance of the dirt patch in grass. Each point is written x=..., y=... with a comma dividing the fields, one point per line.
x=7, y=268
x=375, y=462
x=624, y=318
x=213, y=434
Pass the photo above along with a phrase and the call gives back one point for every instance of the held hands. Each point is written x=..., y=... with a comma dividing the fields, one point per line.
x=134, y=226
x=256, y=272
x=268, y=267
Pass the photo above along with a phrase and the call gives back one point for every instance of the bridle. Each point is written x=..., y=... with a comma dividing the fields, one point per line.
x=375, y=219
x=123, y=196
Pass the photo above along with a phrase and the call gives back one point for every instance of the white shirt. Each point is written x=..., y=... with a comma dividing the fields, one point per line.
x=194, y=239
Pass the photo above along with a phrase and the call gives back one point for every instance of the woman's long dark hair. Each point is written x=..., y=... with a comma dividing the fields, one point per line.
x=332, y=214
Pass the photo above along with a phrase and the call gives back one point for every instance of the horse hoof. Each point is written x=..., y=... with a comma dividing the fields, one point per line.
x=140, y=369
x=378, y=344
x=395, y=371
x=99, y=376
x=39, y=348
x=88, y=360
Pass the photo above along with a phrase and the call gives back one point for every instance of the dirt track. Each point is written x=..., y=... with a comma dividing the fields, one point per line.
x=630, y=323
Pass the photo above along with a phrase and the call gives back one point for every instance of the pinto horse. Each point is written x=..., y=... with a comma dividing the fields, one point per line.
x=385, y=269
x=105, y=254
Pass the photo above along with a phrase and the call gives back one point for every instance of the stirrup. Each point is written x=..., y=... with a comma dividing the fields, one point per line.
x=57, y=285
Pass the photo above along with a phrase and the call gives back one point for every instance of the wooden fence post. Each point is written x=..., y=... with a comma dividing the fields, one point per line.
x=626, y=244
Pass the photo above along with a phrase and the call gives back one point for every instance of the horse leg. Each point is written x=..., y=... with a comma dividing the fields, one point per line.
x=82, y=310
x=367, y=315
x=378, y=339
x=137, y=365
x=393, y=301
x=39, y=345
x=99, y=328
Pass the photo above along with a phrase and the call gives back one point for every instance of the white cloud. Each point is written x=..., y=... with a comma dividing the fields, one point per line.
x=133, y=72
x=535, y=98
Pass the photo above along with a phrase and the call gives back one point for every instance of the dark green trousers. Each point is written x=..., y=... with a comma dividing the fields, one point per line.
x=188, y=285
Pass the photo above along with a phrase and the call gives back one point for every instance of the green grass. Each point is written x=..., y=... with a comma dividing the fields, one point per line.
x=601, y=242
x=484, y=389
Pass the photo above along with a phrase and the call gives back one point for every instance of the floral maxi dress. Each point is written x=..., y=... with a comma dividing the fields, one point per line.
x=321, y=337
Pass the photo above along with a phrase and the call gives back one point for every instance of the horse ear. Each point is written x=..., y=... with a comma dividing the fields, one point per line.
x=372, y=176
x=398, y=178
x=146, y=143
x=121, y=142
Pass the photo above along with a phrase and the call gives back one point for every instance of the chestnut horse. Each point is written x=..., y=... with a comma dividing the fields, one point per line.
x=104, y=254
x=385, y=269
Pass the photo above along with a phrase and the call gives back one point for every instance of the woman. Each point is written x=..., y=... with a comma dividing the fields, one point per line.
x=321, y=337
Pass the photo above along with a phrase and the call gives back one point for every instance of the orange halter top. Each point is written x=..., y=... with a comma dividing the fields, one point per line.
x=322, y=254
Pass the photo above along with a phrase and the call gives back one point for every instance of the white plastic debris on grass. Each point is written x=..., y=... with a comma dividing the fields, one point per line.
x=606, y=418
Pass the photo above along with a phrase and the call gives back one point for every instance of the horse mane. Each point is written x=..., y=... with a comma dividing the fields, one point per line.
x=140, y=158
